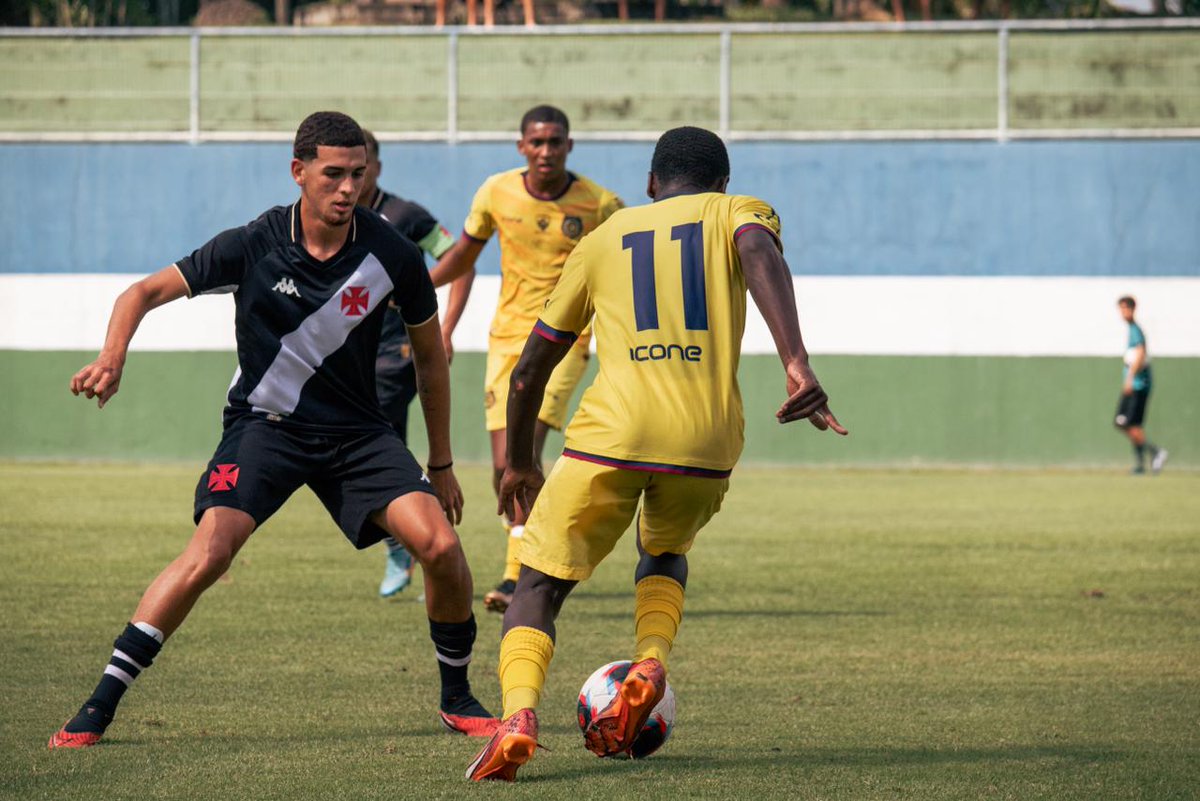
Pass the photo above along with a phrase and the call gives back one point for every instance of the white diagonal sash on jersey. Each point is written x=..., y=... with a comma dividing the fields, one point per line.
x=324, y=331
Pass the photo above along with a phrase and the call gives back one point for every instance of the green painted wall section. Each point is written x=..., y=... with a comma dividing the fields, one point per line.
x=900, y=410
x=779, y=81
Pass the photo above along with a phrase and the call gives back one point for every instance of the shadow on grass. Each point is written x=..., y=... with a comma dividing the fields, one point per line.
x=810, y=758
x=773, y=613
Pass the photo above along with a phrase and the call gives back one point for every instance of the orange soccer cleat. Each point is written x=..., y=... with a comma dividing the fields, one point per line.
x=70, y=739
x=511, y=746
x=613, y=730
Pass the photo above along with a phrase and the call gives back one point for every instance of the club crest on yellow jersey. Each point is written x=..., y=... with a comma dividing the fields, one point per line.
x=572, y=227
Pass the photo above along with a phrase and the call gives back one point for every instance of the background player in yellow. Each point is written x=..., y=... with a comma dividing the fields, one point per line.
x=661, y=425
x=540, y=212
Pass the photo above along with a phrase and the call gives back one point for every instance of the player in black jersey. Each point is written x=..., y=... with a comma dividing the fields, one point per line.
x=310, y=284
x=395, y=375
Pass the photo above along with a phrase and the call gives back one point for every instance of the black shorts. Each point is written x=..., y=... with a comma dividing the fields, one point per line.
x=1131, y=409
x=396, y=386
x=259, y=464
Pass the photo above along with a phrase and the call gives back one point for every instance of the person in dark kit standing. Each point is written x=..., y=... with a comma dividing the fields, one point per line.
x=395, y=374
x=310, y=284
x=1135, y=394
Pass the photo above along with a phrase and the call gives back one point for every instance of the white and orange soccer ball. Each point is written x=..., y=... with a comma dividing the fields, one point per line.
x=602, y=686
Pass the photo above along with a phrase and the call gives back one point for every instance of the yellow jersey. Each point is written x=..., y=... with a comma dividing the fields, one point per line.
x=665, y=285
x=536, y=236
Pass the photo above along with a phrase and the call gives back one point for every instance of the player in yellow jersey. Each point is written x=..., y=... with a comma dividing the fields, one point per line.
x=540, y=212
x=661, y=425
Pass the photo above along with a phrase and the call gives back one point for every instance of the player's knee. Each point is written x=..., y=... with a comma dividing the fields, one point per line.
x=543, y=591
x=441, y=553
x=210, y=564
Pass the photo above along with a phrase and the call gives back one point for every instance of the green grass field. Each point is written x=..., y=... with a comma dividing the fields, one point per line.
x=848, y=635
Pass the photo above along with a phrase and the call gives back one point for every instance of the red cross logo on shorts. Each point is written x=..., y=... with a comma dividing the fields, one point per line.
x=223, y=478
x=354, y=300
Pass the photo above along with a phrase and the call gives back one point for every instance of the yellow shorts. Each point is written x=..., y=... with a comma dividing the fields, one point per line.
x=561, y=386
x=584, y=508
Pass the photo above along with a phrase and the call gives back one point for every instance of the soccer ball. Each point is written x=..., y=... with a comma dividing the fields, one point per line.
x=603, y=685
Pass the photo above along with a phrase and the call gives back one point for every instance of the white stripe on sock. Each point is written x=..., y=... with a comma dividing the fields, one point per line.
x=146, y=628
x=119, y=654
x=113, y=670
x=453, y=662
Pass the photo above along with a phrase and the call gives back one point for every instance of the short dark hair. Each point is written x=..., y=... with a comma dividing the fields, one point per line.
x=371, y=142
x=1127, y=300
x=326, y=128
x=690, y=155
x=550, y=114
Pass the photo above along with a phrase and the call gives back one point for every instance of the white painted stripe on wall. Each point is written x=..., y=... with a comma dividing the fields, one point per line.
x=938, y=316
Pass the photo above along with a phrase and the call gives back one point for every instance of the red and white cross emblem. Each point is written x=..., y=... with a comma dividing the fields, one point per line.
x=354, y=300
x=223, y=478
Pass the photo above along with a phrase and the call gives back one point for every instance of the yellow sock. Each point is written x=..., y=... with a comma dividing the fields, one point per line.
x=525, y=655
x=512, y=564
x=659, y=610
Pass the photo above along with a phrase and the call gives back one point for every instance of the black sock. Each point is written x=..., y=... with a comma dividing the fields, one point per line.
x=453, y=642
x=1139, y=455
x=133, y=652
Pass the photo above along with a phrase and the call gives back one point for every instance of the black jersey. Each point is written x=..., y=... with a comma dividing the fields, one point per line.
x=415, y=222
x=308, y=331
x=411, y=219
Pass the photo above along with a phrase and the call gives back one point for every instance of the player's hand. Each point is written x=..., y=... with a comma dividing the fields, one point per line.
x=100, y=379
x=518, y=490
x=806, y=399
x=448, y=345
x=449, y=494
x=1126, y=389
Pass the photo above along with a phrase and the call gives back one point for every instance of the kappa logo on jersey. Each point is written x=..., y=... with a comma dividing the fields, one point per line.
x=287, y=287
x=223, y=478
x=355, y=300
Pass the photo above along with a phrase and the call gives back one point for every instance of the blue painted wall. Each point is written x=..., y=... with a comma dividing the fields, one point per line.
x=921, y=208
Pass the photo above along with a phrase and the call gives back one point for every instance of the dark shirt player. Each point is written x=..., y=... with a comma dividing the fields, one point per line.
x=310, y=283
x=395, y=374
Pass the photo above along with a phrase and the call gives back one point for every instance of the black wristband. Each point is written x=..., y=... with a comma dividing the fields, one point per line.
x=429, y=468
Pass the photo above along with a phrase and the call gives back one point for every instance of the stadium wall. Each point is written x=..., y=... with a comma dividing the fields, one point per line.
x=959, y=296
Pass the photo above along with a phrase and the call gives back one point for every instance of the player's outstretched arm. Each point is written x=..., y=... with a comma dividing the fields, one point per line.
x=522, y=479
x=460, y=291
x=433, y=387
x=102, y=377
x=456, y=262
x=770, y=283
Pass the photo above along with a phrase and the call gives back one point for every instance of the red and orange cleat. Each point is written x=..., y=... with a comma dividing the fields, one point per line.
x=613, y=730
x=69, y=739
x=470, y=725
x=511, y=746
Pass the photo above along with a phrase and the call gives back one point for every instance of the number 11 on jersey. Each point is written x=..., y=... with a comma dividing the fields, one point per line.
x=640, y=244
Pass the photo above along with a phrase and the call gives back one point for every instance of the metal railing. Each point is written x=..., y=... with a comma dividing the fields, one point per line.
x=941, y=80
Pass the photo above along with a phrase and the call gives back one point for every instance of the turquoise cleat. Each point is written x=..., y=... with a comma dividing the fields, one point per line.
x=398, y=573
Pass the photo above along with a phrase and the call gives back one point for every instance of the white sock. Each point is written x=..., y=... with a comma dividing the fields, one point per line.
x=151, y=630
